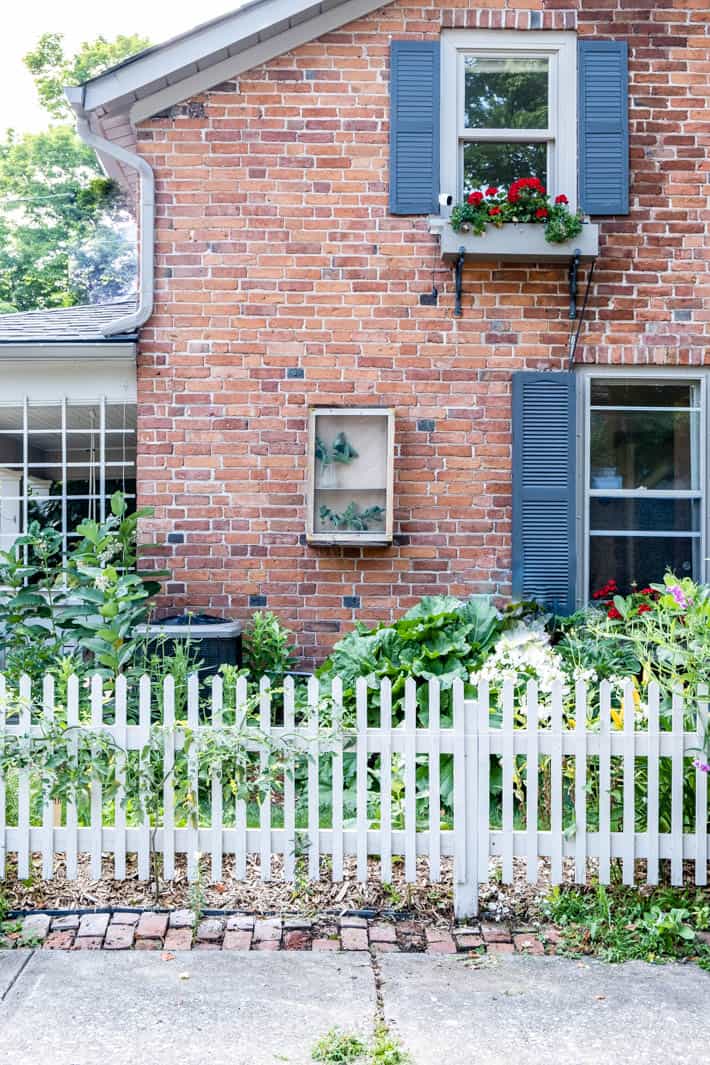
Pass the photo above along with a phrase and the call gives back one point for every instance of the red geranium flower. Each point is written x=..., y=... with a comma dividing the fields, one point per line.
x=644, y=608
x=561, y=198
x=492, y=191
x=494, y=210
x=541, y=212
x=475, y=198
x=613, y=613
x=646, y=591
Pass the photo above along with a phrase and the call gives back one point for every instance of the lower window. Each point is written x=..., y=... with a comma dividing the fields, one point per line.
x=60, y=462
x=644, y=479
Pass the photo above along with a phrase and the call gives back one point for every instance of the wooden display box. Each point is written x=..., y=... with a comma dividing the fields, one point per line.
x=350, y=475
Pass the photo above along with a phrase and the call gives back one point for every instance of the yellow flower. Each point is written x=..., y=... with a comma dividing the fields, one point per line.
x=617, y=716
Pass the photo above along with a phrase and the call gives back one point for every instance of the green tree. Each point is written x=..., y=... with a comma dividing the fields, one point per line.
x=65, y=231
x=52, y=69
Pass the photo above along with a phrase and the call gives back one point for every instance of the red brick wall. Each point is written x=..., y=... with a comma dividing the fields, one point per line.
x=282, y=281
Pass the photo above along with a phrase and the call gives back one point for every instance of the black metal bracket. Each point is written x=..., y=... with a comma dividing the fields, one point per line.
x=573, y=270
x=458, y=274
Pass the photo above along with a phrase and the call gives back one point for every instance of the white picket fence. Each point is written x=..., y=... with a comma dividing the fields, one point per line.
x=521, y=739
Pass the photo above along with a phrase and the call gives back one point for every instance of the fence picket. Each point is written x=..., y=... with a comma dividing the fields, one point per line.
x=652, y=804
x=483, y=712
x=96, y=791
x=168, y=778
x=508, y=793
x=556, y=826
x=338, y=847
x=289, y=865
x=72, y=856
x=629, y=739
x=23, y=782
x=265, y=803
x=47, y=803
x=604, y=782
x=701, y=790
x=216, y=811
x=677, y=790
x=313, y=781
x=361, y=777
x=119, y=813
x=460, y=811
x=240, y=811
x=3, y=791
x=580, y=782
x=434, y=781
x=386, y=781
x=410, y=781
x=531, y=778
x=144, y=720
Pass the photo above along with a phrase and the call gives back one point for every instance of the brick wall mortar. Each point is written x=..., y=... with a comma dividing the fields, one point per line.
x=276, y=252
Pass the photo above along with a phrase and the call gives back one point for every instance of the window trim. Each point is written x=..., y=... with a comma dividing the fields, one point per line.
x=586, y=375
x=562, y=48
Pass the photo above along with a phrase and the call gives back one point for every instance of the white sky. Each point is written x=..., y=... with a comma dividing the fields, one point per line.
x=81, y=20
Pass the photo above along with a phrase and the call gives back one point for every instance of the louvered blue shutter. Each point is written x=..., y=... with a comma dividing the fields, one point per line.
x=603, y=127
x=544, y=491
x=414, y=127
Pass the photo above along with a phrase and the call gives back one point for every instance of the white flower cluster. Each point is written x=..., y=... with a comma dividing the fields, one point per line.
x=524, y=653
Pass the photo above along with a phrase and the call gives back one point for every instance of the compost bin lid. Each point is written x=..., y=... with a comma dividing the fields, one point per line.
x=200, y=626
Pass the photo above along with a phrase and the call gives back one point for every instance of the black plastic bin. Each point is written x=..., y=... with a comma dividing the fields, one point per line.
x=216, y=641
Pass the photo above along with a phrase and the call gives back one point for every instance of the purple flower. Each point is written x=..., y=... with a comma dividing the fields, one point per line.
x=700, y=765
x=679, y=595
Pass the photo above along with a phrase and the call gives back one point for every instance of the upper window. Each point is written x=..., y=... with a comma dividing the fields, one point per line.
x=509, y=102
x=644, y=499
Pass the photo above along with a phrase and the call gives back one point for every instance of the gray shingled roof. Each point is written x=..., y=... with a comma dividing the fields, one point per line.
x=66, y=325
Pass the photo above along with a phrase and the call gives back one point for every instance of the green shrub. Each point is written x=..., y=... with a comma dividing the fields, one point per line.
x=267, y=647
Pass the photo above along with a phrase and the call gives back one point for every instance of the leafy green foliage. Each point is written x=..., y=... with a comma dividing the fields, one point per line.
x=440, y=637
x=623, y=924
x=352, y=517
x=523, y=201
x=52, y=69
x=267, y=647
x=341, y=450
x=63, y=224
x=338, y=1048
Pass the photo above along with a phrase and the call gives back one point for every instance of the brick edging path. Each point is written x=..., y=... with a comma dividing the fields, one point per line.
x=179, y=930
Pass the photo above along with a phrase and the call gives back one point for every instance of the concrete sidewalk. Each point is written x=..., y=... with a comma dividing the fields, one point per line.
x=97, y=1008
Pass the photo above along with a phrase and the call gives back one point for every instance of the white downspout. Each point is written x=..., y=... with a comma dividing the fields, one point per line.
x=146, y=216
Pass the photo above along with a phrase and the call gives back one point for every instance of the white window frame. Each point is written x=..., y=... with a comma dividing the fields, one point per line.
x=561, y=50
x=645, y=374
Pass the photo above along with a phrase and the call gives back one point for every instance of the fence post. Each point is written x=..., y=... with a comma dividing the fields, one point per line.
x=465, y=804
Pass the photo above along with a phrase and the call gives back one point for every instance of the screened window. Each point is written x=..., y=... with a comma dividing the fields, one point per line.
x=509, y=110
x=645, y=478
x=61, y=461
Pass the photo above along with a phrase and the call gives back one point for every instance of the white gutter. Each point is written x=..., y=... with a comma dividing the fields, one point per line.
x=146, y=216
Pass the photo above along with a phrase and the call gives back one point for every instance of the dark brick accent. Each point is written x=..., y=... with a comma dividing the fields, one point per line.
x=257, y=600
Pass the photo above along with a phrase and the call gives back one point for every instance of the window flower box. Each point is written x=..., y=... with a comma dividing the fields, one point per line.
x=514, y=242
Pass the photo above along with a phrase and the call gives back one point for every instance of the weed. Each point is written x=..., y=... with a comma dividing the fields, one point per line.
x=386, y=1049
x=621, y=924
x=337, y=1047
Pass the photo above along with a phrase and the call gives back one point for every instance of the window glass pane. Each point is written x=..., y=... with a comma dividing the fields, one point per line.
x=640, y=560
x=10, y=418
x=505, y=93
x=649, y=449
x=633, y=394
x=44, y=447
x=120, y=416
x=502, y=163
x=645, y=515
x=83, y=416
x=44, y=417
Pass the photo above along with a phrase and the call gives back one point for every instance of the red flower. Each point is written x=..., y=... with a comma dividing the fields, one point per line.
x=613, y=613
x=475, y=198
x=646, y=591
x=541, y=212
x=561, y=198
x=644, y=608
x=494, y=210
x=492, y=191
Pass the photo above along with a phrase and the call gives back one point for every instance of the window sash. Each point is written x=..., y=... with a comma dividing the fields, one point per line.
x=700, y=535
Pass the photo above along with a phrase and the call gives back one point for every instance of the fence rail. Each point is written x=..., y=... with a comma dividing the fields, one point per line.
x=597, y=774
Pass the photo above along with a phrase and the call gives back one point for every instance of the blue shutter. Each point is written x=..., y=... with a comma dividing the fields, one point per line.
x=544, y=490
x=603, y=127
x=414, y=127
